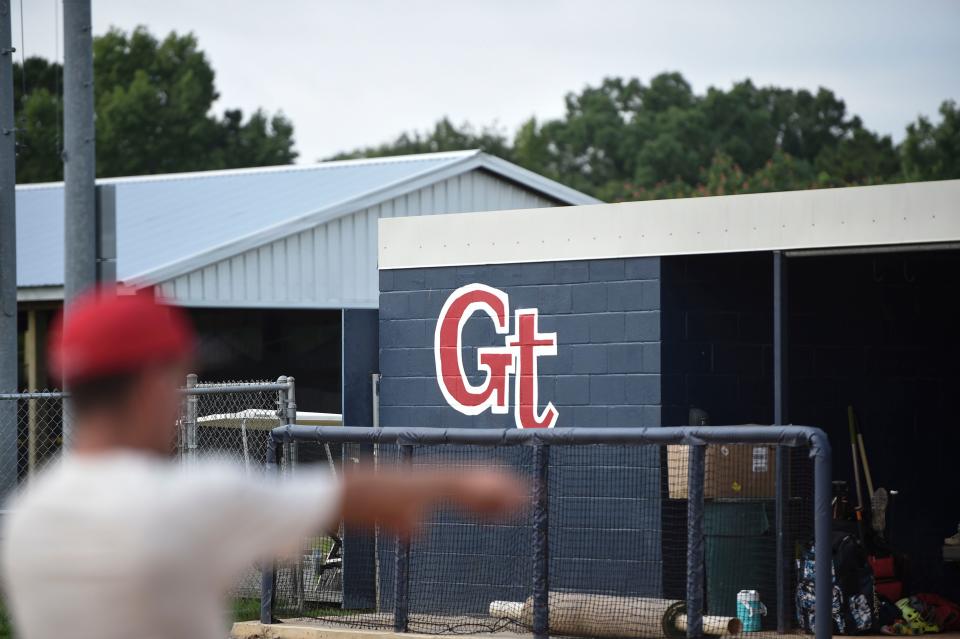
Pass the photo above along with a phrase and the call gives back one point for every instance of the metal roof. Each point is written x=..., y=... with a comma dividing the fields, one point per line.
x=170, y=224
x=895, y=215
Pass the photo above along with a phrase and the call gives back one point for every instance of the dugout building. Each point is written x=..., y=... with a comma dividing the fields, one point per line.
x=277, y=266
x=767, y=308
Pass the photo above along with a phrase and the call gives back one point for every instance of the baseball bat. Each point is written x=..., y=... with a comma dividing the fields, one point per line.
x=866, y=464
x=610, y=617
x=852, y=422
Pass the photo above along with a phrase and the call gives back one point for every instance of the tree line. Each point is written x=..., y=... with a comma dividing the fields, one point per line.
x=627, y=140
x=153, y=101
x=620, y=140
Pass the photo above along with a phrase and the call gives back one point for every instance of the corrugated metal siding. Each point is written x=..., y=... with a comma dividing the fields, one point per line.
x=334, y=265
x=168, y=219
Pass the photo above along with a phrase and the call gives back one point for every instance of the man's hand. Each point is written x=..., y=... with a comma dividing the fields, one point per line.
x=400, y=501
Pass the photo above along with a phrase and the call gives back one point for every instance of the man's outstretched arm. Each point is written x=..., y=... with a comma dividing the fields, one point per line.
x=227, y=520
x=401, y=500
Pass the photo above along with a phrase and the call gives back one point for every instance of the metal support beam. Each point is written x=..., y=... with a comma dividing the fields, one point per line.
x=780, y=338
x=79, y=163
x=32, y=360
x=79, y=168
x=8, y=257
x=780, y=391
x=106, y=234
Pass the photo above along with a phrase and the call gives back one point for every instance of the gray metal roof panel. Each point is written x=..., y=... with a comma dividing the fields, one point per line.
x=165, y=219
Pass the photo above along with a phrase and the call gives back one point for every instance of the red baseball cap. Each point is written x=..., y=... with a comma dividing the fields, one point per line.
x=114, y=330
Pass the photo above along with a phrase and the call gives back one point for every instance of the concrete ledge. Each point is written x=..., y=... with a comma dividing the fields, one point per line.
x=257, y=630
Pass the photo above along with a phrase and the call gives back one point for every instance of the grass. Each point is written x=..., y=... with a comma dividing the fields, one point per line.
x=245, y=609
x=6, y=630
x=249, y=610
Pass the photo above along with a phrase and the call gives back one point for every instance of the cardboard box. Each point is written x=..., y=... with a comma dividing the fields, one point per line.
x=737, y=471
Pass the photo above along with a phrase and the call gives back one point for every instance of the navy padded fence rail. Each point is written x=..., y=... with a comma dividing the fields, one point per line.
x=541, y=439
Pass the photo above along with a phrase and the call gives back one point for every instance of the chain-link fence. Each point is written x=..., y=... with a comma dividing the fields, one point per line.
x=31, y=434
x=628, y=532
x=230, y=420
x=227, y=419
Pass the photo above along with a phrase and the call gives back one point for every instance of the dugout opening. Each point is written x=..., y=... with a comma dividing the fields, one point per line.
x=875, y=331
x=244, y=344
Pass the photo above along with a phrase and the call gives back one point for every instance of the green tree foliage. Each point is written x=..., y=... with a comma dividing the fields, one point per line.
x=626, y=140
x=39, y=120
x=933, y=152
x=153, y=102
x=445, y=136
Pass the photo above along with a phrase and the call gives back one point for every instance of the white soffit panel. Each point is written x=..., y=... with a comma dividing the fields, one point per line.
x=887, y=215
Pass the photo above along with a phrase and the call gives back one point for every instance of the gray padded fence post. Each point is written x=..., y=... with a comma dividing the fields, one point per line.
x=780, y=509
x=823, y=588
x=696, y=460
x=401, y=598
x=268, y=571
x=541, y=541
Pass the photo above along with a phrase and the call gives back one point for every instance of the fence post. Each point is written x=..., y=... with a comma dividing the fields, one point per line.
x=695, y=552
x=541, y=541
x=190, y=425
x=268, y=571
x=401, y=594
x=287, y=413
x=290, y=418
x=780, y=518
x=823, y=586
x=287, y=406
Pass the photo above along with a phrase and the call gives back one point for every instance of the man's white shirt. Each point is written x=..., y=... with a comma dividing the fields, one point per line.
x=126, y=545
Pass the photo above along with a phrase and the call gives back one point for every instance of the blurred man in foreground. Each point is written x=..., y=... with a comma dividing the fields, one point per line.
x=117, y=541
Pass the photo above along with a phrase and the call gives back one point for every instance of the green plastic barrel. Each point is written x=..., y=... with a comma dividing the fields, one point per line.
x=740, y=547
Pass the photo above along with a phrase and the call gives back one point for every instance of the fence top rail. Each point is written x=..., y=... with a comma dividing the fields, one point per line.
x=795, y=436
x=211, y=388
x=33, y=395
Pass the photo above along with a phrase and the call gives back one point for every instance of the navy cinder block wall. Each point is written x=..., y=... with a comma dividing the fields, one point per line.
x=717, y=337
x=607, y=317
x=606, y=314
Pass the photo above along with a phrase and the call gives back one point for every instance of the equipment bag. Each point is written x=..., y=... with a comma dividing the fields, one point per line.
x=854, y=607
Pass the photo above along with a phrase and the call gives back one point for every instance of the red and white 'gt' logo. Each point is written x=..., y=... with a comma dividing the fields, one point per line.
x=517, y=357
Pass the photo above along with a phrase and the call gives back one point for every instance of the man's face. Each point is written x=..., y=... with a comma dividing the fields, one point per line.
x=153, y=406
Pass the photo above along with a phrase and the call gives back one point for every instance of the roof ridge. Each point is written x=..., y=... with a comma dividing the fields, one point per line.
x=278, y=168
x=333, y=210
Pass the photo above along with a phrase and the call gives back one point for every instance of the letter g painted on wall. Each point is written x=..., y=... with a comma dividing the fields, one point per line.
x=516, y=358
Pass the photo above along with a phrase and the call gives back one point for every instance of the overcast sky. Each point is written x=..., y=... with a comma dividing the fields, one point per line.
x=357, y=72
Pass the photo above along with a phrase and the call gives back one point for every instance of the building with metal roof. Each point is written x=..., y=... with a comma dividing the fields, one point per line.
x=277, y=265
x=276, y=237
